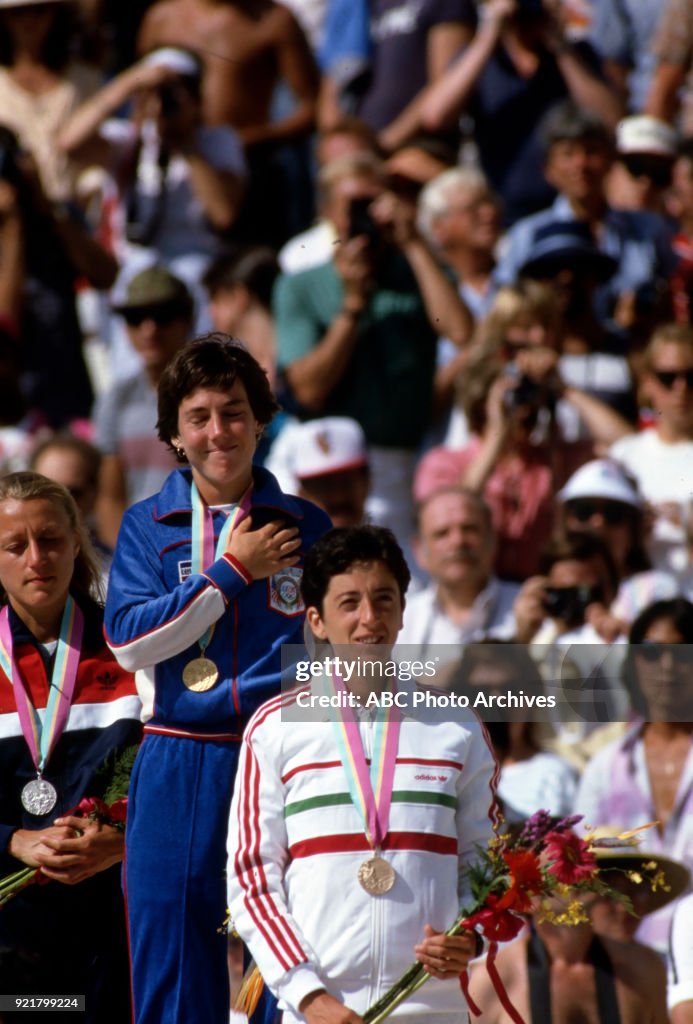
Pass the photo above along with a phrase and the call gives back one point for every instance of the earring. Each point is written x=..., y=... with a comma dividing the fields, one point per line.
x=180, y=452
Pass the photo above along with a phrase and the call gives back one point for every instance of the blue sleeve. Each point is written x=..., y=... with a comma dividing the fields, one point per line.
x=145, y=622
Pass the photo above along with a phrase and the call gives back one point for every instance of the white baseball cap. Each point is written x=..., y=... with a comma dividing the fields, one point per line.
x=332, y=444
x=180, y=61
x=642, y=133
x=602, y=478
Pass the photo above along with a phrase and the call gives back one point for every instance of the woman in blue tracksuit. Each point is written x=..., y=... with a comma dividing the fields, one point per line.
x=203, y=591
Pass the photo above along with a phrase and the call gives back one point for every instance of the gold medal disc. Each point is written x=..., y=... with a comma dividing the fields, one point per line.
x=200, y=674
x=376, y=876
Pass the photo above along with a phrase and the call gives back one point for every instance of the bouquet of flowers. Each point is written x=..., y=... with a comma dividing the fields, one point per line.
x=546, y=864
x=110, y=809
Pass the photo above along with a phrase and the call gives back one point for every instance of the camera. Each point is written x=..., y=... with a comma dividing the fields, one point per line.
x=169, y=98
x=569, y=604
x=360, y=220
x=526, y=392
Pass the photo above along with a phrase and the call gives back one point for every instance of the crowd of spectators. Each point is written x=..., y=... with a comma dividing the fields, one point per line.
x=458, y=237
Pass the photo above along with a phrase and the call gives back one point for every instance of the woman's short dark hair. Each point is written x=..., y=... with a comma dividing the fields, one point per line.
x=676, y=610
x=212, y=361
x=344, y=546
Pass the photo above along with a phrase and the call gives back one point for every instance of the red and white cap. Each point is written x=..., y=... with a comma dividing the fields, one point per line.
x=331, y=444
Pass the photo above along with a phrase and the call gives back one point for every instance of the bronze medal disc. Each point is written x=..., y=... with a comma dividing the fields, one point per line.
x=376, y=876
x=200, y=674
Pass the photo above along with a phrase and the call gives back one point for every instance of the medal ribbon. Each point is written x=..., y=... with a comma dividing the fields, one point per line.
x=42, y=736
x=371, y=792
x=203, y=550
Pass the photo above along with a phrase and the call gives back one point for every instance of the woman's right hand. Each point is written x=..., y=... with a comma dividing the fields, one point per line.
x=68, y=852
x=265, y=551
x=29, y=845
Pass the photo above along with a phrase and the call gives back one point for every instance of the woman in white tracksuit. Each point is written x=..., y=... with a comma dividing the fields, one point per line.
x=297, y=840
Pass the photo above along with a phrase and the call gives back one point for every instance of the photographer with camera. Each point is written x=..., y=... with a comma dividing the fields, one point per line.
x=520, y=64
x=357, y=334
x=577, y=580
x=177, y=183
x=44, y=249
x=576, y=571
x=517, y=456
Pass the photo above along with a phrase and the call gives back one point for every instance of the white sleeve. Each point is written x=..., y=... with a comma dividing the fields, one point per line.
x=258, y=854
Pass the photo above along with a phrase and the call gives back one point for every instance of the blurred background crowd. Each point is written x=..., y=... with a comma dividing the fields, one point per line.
x=459, y=238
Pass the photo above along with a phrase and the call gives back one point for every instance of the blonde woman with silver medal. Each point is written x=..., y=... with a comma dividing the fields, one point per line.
x=66, y=710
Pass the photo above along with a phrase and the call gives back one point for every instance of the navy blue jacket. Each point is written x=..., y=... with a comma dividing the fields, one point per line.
x=157, y=609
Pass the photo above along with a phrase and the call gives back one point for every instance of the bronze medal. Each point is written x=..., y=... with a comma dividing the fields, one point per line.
x=200, y=675
x=376, y=876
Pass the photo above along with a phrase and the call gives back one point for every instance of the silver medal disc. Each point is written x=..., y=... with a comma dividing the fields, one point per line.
x=39, y=797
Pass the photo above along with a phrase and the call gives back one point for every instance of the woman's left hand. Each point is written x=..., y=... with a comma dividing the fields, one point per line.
x=87, y=848
x=445, y=956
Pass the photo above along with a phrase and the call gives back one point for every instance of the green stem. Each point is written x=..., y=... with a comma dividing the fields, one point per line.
x=411, y=981
x=11, y=884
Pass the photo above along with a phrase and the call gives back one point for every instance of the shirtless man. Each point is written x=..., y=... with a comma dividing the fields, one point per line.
x=247, y=46
x=567, y=985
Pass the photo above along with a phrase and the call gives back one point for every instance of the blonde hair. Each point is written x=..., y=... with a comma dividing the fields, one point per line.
x=528, y=298
x=668, y=334
x=85, y=584
x=352, y=165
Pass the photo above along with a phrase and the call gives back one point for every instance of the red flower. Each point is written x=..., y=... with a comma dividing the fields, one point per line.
x=498, y=925
x=90, y=805
x=117, y=811
x=572, y=860
x=525, y=881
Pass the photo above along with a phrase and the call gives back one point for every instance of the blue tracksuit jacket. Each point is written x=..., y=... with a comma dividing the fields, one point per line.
x=182, y=782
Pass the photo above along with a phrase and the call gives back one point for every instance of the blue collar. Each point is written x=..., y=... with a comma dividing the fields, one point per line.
x=174, y=496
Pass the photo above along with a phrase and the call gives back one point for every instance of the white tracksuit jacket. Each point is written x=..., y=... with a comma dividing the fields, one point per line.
x=296, y=842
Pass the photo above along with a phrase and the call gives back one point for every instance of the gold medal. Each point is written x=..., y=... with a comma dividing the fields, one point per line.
x=376, y=876
x=200, y=674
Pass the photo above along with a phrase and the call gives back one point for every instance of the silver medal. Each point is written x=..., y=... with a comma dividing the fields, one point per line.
x=39, y=797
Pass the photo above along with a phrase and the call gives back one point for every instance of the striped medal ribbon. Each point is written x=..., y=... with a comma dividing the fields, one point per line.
x=370, y=790
x=201, y=673
x=39, y=796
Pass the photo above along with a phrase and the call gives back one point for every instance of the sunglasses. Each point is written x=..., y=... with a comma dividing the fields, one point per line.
x=161, y=315
x=614, y=513
x=667, y=378
x=652, y=651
